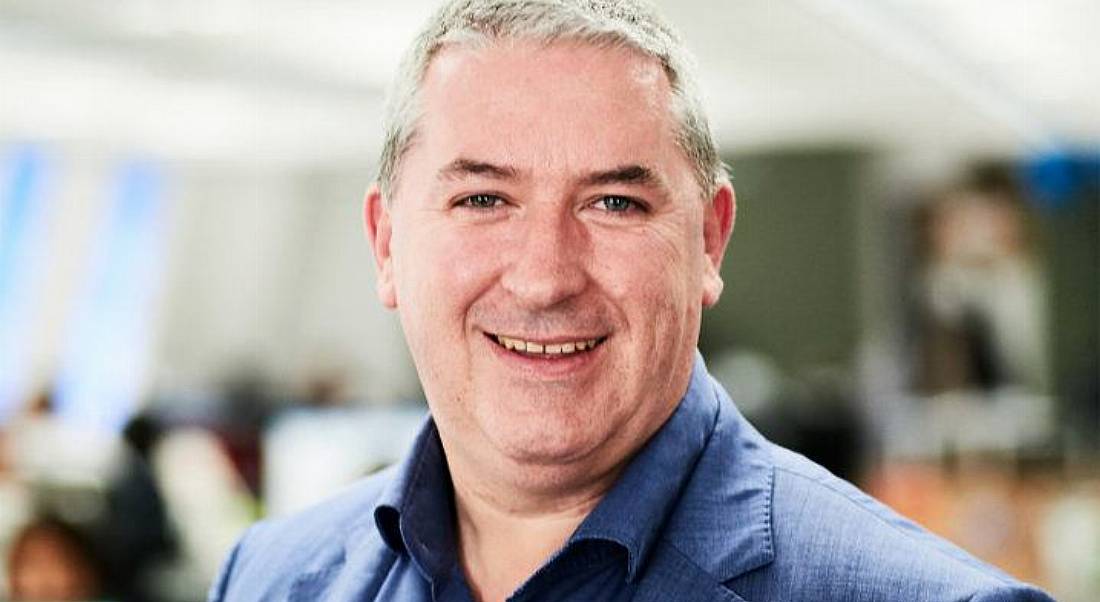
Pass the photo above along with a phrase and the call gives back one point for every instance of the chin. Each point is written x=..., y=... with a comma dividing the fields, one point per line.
x=544, y=442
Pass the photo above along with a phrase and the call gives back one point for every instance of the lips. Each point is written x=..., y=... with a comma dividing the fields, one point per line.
x=561, y=347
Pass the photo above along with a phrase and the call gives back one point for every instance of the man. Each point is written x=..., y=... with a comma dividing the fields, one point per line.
x=549, y=223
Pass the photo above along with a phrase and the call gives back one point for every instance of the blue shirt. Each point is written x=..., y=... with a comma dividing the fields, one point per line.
x=707, y=510
x=601, y=560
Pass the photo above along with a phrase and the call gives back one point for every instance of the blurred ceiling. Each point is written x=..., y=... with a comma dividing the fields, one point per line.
x=300, y=82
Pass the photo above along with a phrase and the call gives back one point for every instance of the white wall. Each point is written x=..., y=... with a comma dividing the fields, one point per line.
x=271, y=270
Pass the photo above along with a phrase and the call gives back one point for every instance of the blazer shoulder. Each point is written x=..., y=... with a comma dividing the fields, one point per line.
x=834, y=542
x=274, y=552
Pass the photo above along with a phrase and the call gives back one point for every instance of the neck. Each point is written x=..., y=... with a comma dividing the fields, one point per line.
x=505, y=533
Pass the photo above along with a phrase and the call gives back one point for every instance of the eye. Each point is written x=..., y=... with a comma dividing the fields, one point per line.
x=480, y=201
x=618, y=204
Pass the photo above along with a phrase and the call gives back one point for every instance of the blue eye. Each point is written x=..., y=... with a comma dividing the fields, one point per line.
x=481, y=201
x=618, y=204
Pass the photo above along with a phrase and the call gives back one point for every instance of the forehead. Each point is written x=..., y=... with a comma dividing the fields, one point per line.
x=563, y=105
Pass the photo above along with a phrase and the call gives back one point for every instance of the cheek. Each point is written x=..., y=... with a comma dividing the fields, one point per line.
x=654, y=272
x=440, y=270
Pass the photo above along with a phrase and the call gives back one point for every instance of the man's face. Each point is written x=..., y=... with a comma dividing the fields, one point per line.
x=545, y=204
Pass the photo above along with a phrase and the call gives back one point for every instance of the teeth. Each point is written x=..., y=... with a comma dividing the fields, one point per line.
x=557, y=349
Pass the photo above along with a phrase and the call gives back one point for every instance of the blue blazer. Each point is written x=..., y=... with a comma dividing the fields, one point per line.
x=754, y=522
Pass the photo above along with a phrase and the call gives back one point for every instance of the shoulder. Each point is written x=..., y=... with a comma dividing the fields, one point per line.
x=834, y=542
x=271, y=554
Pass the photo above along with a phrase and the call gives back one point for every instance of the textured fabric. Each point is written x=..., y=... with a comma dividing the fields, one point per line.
x=708, y=510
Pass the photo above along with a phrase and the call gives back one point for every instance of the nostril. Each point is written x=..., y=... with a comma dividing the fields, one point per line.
x=547, y=267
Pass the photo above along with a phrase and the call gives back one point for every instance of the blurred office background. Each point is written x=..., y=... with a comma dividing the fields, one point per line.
x=189, y=337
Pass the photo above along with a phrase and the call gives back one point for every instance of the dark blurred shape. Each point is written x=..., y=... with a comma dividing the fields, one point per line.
x=52, y=560
x=325, y=390
x=134, y=536
x=799, y=303
x=1066, y=186
x=248, y=406
x=142, y=433
x=819, y=419
x=41, y=404
x=960, y=355
x=1083, y=414
x=996, y=178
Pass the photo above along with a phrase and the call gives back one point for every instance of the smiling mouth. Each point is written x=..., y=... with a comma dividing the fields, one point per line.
x=549, y=350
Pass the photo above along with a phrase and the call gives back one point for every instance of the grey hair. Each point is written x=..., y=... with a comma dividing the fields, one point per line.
x=604, y=23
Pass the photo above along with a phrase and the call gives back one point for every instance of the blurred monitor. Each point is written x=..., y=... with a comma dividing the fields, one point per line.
x=309, y=454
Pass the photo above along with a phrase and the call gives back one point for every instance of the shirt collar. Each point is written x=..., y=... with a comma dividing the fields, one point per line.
x=415, y=513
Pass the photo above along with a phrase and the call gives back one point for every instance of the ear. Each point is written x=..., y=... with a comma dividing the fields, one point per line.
x=718, y=218
x=379, y=229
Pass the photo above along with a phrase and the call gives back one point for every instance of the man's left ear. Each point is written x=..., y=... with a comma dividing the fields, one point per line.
x=718, y=217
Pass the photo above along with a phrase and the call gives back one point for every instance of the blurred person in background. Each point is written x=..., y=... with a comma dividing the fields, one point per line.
x=134, y=536
x=982, y=296
x=52, y=560
x=550, y=220
x=105, y=515
x=249, y=405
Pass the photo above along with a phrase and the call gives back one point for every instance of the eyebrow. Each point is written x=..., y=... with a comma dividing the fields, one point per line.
x=624, y=174
x=460, y=168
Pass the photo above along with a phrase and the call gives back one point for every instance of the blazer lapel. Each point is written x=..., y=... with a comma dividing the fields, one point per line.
x=672, y=576
x=723, y=521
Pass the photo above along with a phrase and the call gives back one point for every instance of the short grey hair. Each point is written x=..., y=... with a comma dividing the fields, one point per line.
x=604, y=23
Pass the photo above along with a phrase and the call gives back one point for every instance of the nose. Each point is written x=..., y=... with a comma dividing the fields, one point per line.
x=549, y=265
